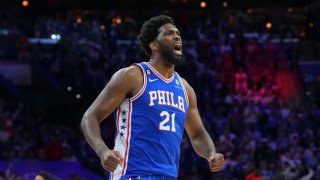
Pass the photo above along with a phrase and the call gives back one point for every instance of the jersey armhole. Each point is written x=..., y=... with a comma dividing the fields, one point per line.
x=184, y=89
x=144, y=83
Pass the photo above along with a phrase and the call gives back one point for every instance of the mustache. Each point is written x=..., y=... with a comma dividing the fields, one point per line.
x=168, y=54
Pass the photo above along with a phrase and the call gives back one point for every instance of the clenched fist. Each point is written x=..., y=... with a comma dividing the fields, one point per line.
x=216, y=162
x=110, y=159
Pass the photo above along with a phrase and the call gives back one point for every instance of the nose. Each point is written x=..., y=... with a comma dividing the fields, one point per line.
x=177, y=37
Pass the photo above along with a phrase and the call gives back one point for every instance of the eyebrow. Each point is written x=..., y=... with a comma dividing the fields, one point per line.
x=172, y=30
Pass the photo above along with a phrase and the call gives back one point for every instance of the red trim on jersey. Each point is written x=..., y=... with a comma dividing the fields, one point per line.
x=186, y=95
x=184, y=91
x=118, y=118
x=159, y=75
x=112, y=175
x=117, y=124
x=127, y=140
x=143, y=87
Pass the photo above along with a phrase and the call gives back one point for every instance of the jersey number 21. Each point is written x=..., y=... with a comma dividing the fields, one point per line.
x=167, y=116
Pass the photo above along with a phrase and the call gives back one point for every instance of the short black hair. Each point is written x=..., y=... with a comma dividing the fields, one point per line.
x=149, y=31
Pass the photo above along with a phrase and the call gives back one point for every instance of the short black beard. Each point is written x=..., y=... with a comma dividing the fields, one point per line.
x=169, y=56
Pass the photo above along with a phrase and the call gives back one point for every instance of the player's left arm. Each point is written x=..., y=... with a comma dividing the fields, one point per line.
x=200, y=139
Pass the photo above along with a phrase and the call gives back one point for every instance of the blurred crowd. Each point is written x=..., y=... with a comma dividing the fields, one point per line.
x=234, y=78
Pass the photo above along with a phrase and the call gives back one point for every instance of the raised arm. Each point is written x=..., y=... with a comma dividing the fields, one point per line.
x=200, y=139
x=124, y=83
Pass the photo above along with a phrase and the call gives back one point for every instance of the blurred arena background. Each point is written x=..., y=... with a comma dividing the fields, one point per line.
x=254, y=64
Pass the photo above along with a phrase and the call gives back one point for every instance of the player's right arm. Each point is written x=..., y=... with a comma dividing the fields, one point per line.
x=124, y=83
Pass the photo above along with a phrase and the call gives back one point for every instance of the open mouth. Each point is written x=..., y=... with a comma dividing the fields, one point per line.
x=177, y=48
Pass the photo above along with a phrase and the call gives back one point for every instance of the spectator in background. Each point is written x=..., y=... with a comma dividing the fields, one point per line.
x=269, y=91
x=241, y=82
x=54, y=149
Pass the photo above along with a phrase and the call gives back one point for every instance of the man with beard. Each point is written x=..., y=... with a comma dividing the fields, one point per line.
x=154, y=106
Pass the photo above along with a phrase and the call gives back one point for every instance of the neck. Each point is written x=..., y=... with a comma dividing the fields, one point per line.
x=165, y=69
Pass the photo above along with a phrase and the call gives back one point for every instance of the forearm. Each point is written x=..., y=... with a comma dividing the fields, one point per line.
x=203, y=144
x=91, y=128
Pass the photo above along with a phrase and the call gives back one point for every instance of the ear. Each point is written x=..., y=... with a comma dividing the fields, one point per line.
x=153, y=45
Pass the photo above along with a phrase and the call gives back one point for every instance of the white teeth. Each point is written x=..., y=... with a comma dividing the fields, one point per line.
x=177, y=47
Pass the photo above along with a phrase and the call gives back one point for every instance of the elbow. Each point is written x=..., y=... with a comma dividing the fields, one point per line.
x=89, y=119
x=85, y=119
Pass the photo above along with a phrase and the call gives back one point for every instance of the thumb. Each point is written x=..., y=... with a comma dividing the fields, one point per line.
x=118, y=155
x=211, y=156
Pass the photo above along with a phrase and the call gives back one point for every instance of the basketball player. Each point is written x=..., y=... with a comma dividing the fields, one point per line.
x=154, y=106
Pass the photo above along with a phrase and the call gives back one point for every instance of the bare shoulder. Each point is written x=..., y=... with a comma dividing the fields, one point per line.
x=131, y=78
x=131, y=74
x=189, y=89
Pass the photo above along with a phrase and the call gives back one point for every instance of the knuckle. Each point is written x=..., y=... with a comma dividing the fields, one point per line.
x=106, y=162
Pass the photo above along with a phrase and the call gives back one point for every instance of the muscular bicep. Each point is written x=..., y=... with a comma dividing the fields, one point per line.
x=121, y=85
x=193, y=125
